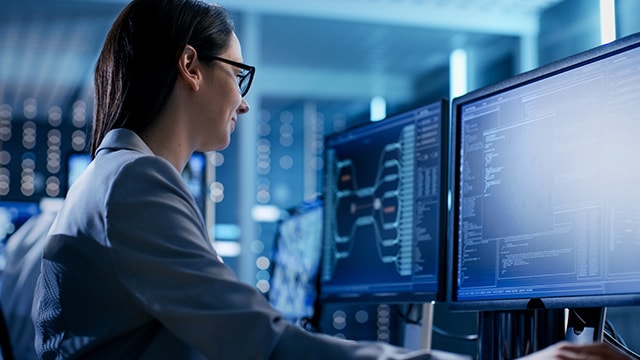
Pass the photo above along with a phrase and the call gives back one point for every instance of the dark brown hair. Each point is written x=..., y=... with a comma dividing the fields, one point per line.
x=137, y=68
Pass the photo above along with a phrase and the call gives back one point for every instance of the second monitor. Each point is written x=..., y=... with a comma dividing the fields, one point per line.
x=385, y=201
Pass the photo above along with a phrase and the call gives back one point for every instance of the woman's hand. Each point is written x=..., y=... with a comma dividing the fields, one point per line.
x=570, y=351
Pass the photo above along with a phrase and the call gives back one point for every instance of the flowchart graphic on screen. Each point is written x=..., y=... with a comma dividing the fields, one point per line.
x=382, y=209
x=383, y=206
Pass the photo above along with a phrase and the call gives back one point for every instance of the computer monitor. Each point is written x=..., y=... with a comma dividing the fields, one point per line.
x=385, y=201
x=545, y=197
x=295, y=262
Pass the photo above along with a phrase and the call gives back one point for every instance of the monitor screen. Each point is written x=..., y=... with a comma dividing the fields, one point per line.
x=195, y=176
x=14, y=214
x=76, y=163
x=546, y=206
x=295, y=262
x=384, y=224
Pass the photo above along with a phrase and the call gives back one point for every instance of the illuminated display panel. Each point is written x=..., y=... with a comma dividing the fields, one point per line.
x=295, y=262
x=546, y=206
x=384, y=224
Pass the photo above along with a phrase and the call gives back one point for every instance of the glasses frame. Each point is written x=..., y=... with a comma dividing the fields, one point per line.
x=251, y=69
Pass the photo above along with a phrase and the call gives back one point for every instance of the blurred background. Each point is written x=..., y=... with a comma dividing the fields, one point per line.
x=322, y=67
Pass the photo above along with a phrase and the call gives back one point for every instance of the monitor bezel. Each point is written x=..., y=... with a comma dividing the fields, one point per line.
x=532, y=76
x=439, y=295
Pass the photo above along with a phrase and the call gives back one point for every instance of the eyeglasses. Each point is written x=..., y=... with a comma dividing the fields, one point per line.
x=245, y=78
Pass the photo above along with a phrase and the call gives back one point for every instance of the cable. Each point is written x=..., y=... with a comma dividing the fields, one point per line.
x=608, y=327
x=469, y=337
x=611, y=340
x=614, y=341
x=405, y=316
x=610, y=336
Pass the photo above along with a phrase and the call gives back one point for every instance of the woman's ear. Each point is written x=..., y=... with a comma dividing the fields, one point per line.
x=189, y=68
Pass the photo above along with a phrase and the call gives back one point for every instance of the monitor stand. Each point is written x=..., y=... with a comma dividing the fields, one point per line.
x=585, y=325
x=419, y=336
x=517, y=333
x=426, y=330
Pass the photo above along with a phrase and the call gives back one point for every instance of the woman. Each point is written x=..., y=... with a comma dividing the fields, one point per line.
x=129, y=271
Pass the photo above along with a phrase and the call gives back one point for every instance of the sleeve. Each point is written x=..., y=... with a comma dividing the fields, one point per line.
x=162, y=254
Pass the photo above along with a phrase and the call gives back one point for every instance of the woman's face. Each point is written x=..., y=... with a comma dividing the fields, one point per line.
x=221, y=101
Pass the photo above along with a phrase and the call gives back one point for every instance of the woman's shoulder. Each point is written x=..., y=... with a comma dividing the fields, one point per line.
x=128, y=162
x=123, y=150
x=136, y=170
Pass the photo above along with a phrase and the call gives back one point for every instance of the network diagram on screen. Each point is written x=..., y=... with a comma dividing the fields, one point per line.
x=382, y=199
